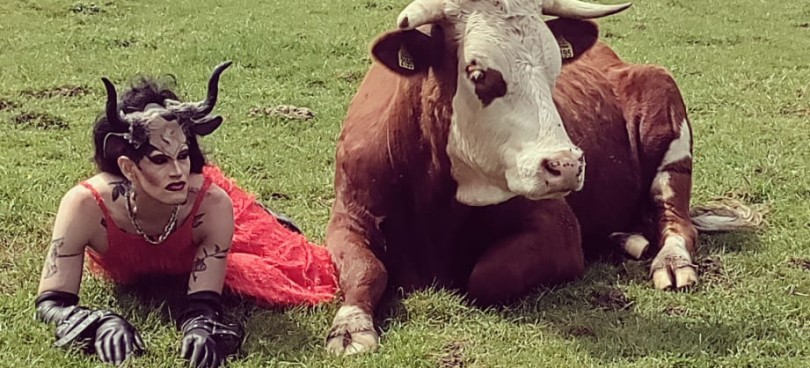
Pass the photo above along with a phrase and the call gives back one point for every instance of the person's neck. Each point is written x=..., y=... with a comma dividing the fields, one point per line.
x=150, y=211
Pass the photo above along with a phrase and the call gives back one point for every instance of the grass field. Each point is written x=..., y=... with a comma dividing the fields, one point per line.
x=743, y=67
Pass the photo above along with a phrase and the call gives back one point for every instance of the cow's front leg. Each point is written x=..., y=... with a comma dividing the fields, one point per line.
x=672, y=267
x=362, y=280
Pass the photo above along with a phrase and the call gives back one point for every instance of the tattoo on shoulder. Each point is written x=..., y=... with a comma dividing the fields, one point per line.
x=53, y=255
x=199, y=262
x=119, y=188
x=197, y=221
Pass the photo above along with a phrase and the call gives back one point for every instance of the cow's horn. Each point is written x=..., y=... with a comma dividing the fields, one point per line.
x=206, y=106
x=420, y=12
x=580, y=10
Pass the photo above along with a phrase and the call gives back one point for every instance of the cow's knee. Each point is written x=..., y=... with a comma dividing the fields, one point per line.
x=500, y=277
x=489, y=285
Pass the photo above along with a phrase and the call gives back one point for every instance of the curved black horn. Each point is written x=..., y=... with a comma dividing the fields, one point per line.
x=205, y=107
x=112, y=106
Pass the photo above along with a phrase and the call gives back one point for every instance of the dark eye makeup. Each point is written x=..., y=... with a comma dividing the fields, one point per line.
x=160, y=158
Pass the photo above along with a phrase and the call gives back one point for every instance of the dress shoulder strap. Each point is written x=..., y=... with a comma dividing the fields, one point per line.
x=201, y=195
x=99, y=199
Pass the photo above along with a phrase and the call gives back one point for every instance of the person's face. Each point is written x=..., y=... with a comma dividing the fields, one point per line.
x=163, y=173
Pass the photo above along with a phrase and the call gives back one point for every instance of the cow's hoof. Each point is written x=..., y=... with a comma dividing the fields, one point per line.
x=673, y=272
x=352, y=332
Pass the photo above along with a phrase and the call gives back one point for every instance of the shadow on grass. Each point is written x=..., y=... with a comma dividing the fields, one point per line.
x=268, y=330
x=602, y=322
x=729, y=242
x=601, y=319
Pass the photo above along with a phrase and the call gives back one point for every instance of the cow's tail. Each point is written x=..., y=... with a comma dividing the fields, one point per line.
x=727, y=214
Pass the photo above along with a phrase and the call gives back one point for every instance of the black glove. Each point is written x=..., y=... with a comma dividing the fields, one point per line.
x=207, y=341
x=104, y=332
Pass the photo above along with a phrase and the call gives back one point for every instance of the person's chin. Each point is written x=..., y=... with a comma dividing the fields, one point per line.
x=176, y=198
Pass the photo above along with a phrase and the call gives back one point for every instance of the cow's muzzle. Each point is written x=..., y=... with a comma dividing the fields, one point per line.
x=563, y=171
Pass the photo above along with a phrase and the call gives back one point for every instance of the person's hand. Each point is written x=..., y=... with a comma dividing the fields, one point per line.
x=116, y=340
x=113, y=338
x=200, y=349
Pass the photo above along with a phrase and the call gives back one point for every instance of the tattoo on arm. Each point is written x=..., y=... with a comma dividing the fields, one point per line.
x=199, y=262
x=197, y=220
x=54, y=254
x=119, y=188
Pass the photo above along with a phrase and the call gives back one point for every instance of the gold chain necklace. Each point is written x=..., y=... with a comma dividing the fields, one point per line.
x=154, y=240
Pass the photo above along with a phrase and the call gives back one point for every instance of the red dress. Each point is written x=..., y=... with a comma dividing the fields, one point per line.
x=267, y=261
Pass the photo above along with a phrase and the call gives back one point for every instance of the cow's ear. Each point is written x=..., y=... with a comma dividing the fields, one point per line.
x=405, y=52
x=574, y=36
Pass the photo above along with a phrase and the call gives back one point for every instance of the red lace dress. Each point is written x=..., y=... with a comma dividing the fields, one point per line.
x=267, y=261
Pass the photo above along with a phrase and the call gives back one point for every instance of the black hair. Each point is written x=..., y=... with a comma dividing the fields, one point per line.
x=143, y=91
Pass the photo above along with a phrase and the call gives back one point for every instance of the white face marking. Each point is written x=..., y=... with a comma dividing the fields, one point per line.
x=680, y=148
x=497, y=149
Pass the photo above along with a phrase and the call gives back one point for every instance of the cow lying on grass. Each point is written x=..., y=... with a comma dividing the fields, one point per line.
x=466, y=135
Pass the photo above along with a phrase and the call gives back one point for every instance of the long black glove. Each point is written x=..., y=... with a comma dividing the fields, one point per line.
x=206, y=340
x=106, y=333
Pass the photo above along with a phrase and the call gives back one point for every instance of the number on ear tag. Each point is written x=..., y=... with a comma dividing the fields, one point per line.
x=405, y=59
x=566, y=49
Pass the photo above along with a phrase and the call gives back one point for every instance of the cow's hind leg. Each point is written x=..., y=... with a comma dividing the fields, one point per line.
x=542, y=247
x=653, y=104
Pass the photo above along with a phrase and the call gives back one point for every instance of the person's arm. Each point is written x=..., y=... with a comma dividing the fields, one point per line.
x=207, y=340
x=113, y=338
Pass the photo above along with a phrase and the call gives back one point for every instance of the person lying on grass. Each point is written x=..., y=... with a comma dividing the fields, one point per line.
x=157, y=208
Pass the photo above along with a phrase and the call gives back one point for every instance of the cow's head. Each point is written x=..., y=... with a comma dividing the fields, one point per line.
x=506, y=137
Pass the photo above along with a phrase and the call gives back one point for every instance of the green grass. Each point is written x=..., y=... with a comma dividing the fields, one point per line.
x=743, y=67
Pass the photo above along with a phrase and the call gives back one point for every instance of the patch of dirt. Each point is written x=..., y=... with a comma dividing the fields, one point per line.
x=89, y=9
x=285, y=111
x=710, y=266
x=61, y=91
x=802, y=263
x=125, y=42
x=711, y=271
x=795, y=111
x=40, y=120
x=609, y=34
x=611, y=299
x=452, y=356
x=351, y=76
x=804, y=25
x=7, y=104
x=370, y=5
x=675, y=310
x=277, y=195
x=712, y=41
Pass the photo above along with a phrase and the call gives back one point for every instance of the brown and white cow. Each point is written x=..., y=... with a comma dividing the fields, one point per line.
x=466, y=135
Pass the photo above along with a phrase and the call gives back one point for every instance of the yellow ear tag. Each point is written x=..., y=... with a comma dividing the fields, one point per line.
x=566, y=49
x=405, y=59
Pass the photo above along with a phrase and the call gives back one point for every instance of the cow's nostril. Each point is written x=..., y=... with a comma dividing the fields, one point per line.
x=552, y=167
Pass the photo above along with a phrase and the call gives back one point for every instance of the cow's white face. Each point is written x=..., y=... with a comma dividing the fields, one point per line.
x=507, y=137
